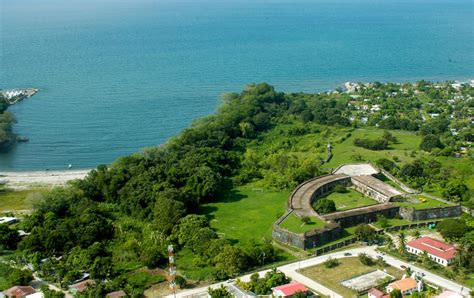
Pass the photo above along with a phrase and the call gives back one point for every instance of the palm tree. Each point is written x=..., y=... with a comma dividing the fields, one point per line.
x=416, y=234
x=389, y=243
x=402, y=241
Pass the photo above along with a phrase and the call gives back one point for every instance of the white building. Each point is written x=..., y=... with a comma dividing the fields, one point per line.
x=438, y=251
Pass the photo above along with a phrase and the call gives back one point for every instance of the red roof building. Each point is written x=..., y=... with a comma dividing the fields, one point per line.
x=439, y=251
x=82, y=286
x=289, y=290
x=376, y=293
x=19, y=291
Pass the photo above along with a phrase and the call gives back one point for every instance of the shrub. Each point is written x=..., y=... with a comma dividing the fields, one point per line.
x=324, y=206
x=331, y=263
x=382, y=221
x=379, y=144
x=456, y=191
x=385, y=164
x=430, y=142
x=340, y=188
x=452, y=228
x=180, y=281
x=366, y=260
x=220, y=292
x=389, y=137
x=365, y=232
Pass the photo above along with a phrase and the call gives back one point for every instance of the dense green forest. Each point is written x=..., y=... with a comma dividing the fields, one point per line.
x=7, y=138
x=122, y=217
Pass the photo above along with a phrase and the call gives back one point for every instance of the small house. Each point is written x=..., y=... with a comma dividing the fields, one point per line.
x=82, y=286
x=406, y=286
x=19, y=291
x=289, y=290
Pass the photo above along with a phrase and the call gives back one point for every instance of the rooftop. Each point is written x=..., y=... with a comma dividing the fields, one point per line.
x=434, y=247
x=378, y=185
x=376, y=292
x=356, y=170
x=116, y=294
x=291, y=288
x=81, y=286
x=19, y=291
x=301, y=196
x=404, y=284
x=8, y=220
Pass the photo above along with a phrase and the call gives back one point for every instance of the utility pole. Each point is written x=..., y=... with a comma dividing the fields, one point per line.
x=172, y=269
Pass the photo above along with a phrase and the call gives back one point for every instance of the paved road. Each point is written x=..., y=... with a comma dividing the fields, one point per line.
x=290, y=270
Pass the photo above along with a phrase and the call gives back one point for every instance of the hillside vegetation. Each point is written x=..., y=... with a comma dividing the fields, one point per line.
x=202, y=190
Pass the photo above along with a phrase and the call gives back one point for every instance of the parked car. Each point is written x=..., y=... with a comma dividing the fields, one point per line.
x=403, y=267
x=347, y=254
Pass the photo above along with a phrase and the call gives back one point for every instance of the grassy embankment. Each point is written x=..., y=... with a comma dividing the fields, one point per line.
x=13, y=201
x=348, y=268
x=347, y=152
x=406, y=150
x=246, y=212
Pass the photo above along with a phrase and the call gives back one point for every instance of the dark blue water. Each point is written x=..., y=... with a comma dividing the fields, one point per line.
x=117, y=76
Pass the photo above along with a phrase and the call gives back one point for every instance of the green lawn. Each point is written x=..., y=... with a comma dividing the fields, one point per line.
x=246, y=213
x=348, y=268
x=350, y=200
x=294, y=224
x=346, y=152
x=424, y=203
x=393, y=222
x=20, y=200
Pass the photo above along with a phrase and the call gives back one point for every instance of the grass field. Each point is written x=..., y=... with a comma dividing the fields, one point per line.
x=346, y=152
x=246, y=213
x=20, y=200
x=350, y=200
x=294, y=224
x=424, y=203
x=348, y=268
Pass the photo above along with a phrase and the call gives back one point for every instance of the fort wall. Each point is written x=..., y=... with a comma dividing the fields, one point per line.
x=413, y=214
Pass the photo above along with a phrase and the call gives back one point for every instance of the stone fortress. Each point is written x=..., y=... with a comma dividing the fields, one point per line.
x=363, y=179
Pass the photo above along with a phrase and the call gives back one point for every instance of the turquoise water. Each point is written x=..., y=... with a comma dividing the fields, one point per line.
x=117, y=76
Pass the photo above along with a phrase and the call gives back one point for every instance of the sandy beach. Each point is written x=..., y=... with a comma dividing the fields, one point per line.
x=25, y=180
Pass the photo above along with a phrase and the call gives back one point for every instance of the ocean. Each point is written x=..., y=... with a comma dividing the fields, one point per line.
x=117, y=76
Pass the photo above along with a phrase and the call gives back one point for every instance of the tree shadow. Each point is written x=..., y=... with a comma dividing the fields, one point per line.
x=232, y=196
x=207, y=211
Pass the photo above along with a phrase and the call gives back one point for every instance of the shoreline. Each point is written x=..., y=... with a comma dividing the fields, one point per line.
x=30, y=179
